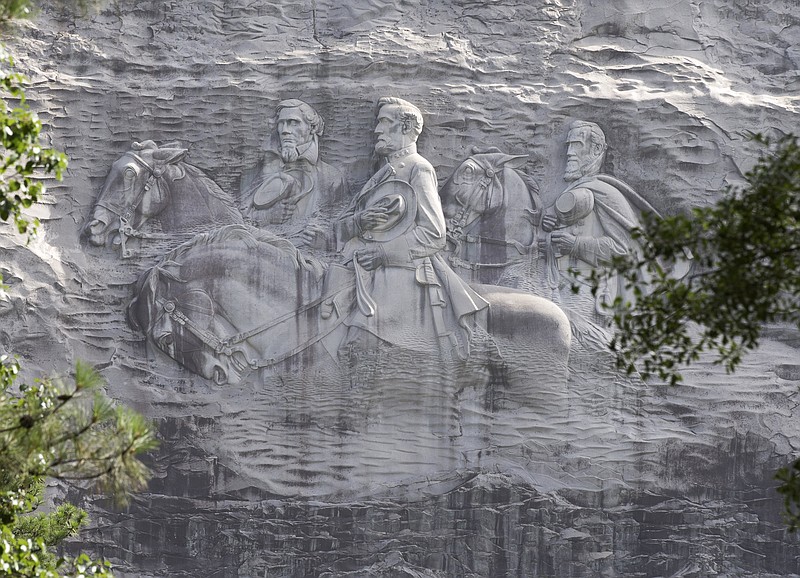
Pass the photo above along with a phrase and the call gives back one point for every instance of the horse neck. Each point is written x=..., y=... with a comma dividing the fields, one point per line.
x=517, y=202
x=196, y=200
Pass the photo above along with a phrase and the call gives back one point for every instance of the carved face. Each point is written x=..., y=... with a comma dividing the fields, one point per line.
x=293, y=130
x=579, y=153
x=392, y=135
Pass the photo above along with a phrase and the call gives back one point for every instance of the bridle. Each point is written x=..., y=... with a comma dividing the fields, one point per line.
x=126, y=230
x=457, y=223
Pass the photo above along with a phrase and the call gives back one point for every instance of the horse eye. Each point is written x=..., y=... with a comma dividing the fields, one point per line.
x=469, y=169
x=130, y=173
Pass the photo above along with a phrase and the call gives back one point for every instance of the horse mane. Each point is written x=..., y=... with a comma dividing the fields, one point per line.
x=251, y=238
x=208, y=188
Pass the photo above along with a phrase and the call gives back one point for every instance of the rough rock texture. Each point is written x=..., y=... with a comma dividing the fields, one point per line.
x=632, y=480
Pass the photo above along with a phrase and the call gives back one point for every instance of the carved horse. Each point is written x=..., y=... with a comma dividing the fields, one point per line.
x=152, y=194
x=491, y=209
x=239, y=299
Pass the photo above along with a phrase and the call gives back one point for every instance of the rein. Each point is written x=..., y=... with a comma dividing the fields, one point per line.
x=126, y=230
x=225, y=346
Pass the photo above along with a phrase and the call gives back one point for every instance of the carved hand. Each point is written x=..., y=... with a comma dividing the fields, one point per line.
x=313, y=236
x=564, y=241
x=370, y=258
x=549, y=223
x=372, y=218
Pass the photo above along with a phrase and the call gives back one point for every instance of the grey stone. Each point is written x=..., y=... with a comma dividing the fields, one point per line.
x=392, y=458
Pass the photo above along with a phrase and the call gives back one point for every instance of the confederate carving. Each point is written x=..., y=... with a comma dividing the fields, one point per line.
x=292, y=190
x=490, y=209
x=152, y=194
x=589, y=223
x=391, y=236
x=390, y=286
x=387, y=325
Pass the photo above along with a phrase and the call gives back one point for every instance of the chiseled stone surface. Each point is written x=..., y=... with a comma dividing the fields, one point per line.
x=393, y=464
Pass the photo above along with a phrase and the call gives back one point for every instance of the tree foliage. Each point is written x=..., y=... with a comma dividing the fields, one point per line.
x=68, y=432
x=22, y=158
x=49, y=429
x=745, y=274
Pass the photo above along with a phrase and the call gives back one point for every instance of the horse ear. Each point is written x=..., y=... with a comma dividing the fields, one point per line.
x=169, y=156
x=476, y=150
x=513, y=161
x=144, y=145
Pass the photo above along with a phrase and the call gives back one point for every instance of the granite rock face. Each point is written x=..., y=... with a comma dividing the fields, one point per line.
x=405, y=461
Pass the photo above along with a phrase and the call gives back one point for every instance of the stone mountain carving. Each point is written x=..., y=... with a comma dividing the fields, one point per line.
x=240, y=305
x=292, y=189
x=405, y=289
x=491, y=209
x=151, y=194
x=589, y=224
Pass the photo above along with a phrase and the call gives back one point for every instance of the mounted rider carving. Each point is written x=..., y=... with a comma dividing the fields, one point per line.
x=293, y=191
x=589, y=224
x=390, y=237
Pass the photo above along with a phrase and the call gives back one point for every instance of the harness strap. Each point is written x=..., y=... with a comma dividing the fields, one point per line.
x=244, y=336
x=256, y=364
x=461, y=263
x=225, y=346
x=206, y=337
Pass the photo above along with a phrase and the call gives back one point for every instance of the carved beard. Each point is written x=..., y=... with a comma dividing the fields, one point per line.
x=574, y=171
x=289, y=153
x=582, y=167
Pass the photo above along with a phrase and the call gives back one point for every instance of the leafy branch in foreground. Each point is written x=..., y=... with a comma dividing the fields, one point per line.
x=745, y=273
x=68, y=432
x=11, y=10
x=21, y=154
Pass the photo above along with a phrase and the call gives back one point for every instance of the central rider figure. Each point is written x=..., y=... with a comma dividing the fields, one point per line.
x=390, y=237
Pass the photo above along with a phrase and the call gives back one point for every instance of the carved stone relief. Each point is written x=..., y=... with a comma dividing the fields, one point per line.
x=462, y=285
x=589, y=224
x=238, y=303
x=292, y=190
x=289, y=450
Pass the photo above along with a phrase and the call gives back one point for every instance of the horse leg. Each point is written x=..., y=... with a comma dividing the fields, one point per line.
x=527, y=391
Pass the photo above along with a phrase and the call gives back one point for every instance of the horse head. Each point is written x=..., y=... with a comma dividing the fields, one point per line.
x=136, y=189
x=490, y=208
x=478, y=186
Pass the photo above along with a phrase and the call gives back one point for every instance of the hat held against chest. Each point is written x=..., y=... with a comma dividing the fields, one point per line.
x=574, y=205
x=399, y=201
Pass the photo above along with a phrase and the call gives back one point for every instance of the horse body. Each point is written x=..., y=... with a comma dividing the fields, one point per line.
x=149, y=184
x=490, y=210
x=206, y=303
x=242, y=308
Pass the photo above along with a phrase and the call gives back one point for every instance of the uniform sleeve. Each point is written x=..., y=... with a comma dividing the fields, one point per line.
x=597, y=250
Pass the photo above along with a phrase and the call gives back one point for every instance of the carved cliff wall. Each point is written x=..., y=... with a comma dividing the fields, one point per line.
x=396, y=464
